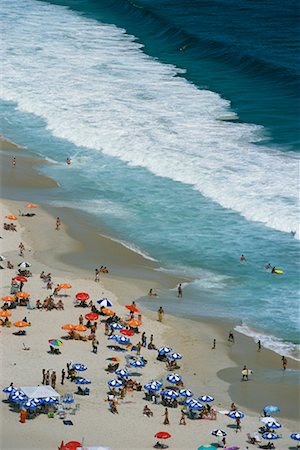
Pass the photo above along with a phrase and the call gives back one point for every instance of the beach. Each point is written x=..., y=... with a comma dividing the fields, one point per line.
x=71, y=255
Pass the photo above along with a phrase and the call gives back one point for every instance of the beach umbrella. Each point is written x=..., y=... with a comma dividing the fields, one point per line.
x=55, y=342
x=186, y=393
x=21, y=324
x=162, y=435
x=82, y=381
x=82, y=296
x=267, y=419
x=29, y=404
x=11, y=217
x=169, y=394
x=137, y=363
x=9, y=298
x=113, y=337
x=65, y=286
x=80, y=328
x=236, y=415
x=9, y=390
x=31, y=205
x=271, y=409
x=207, y=447
x=152, y=387
x=127, y=332
x=24, y=264
x=105, y=303
x=68, y=326
x=2, y=258
x=190, y=400
x=115, y=383
x=164, y=350
x=91, y=316
x=5, y=313
x=206, y=398
x=122, y=373
x=114, y=358
x=134, y=323
x=108, y=312
x=273, y=424
x=122, y=340
x=17, y=397
x=132, y=308
x=195, y=405
x=21, y=278
x=79, y=367
x=295, y=436
x=68, y=398
x=174, y=356
x=174, y=378
x=269, y=436
x=116, y=326
x=50, y=400
x=219, y=433
x=22, y=295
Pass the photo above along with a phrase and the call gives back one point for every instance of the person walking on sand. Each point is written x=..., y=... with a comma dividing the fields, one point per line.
x=258, y=345
x=63, y=374
x=284, y=362
x=182, y=418
x=230, y=336
x=44, y=376
x=58, y=223
x=53, y=379
x=160, y=314
x=238, y=425
x=179, y=291
x=47, y=378
x=214, y=344
x=21, y=249
x=97, y=275
x=138, y=348
x=80, y=319
x=166, y=415
x=14, y=162
x=245, y=374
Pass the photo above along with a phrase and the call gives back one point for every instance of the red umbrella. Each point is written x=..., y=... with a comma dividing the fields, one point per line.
x=127, y=332
x=132, y=308
x=91, y=316
x=21, y=278
x=162, y=435
x=82, y=296
x=72, y=445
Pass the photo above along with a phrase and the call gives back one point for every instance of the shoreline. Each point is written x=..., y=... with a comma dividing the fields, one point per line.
x=139, y=284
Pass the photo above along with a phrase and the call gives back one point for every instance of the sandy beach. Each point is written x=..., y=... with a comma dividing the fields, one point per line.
x=69, y=259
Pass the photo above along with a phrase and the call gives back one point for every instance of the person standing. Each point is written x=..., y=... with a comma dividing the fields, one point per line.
x=44, y=376
x=80, y=319
x=231, y=336
x=58, y=223
x=53, y=379
x=144, y=339
x=284, y=362
x=21, y=249
x=214, y=344
x=63, y=374
x=245, y=374
x=138, y=348
x=14, y=162
x=47, y=377
x=179, y=291
x=166, y=415
x=182, y=418
x=97, y=275
x=258, y=345
x=160, y=314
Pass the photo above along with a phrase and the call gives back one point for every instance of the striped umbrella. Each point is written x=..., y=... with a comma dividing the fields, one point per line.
x=152, y=387
x=174, y=378
x=236, y=415
x=79, y=367
x=82, y=381
x=269, y=436
x=17, y=397
x=55, y=342
x=29, y=404
x=169, y=394
x=116, y=326
x=9, y=389
x=105, y=303
x=295, y=436
x=206, y=398
x=113, y=337
x=175, y=356
x=164, y=350
x=122, y=340
x=51, y=400
x=122, y=373
x=115, y=383
x=186, y=393
x=219, y=433
x=195, y=406
x=137, y=363
x=273, y=424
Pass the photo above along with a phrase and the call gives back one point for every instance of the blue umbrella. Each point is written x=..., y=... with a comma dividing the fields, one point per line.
x=9, y=389
x=186, y=393
x=104, y=302
x=137, y=363
x=271, y=409
x=113, y=337
x=123, y=340
x=175, y=356
x=206, y=398
x=122, y=373
x=79, y=367
x=169, y=393
x=82, y=381
x=52, y=400
x=295, y=436
x=164, y=350
x=116, y=326
x=29, y=404
x=236, y=415
x=115, y=383
x=17, y=397
x=152, y=387
x=190, y=400
x=173, y=378
x=195, y=405
x=269, y=436
x=273, y=424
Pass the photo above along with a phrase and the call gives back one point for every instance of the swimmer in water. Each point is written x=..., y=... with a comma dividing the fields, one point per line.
x=68, y=161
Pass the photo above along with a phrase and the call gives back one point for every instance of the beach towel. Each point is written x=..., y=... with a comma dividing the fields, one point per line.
x=67, y=422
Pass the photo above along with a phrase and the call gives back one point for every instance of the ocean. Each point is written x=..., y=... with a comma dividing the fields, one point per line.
x=182, y=123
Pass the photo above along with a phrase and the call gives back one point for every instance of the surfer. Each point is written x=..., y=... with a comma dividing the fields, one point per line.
x=268, y=266
x=273, y=269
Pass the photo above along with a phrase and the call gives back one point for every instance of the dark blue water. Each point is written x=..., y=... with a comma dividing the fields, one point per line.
x=247, y=51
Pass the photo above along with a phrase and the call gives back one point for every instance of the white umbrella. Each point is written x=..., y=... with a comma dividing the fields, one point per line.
x=2, y=258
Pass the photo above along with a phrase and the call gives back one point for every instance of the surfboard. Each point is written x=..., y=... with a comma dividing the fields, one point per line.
x=278, y=271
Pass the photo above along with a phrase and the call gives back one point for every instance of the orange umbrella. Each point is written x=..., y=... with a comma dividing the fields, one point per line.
x=132, y=308
x=21, y=324
x=68, y=326
x=134, y=323
x=22, y=294
x=9, y=298
x=65, y=286
x=108, y=312
x=31, y=205
x=5, y=313
x=11, y=217
x=80, y=328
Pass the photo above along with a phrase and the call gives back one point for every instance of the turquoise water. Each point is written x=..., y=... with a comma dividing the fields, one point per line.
x=176, y=171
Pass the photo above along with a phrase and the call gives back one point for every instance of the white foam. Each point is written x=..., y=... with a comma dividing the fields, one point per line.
x=133, y=247
x=271, y=342
x=94, y=87
x=100, y=206
x=203, y=279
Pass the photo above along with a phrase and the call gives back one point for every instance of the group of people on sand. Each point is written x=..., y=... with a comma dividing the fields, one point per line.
x=49, y=304
x=102, y=269
x=9, y=226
